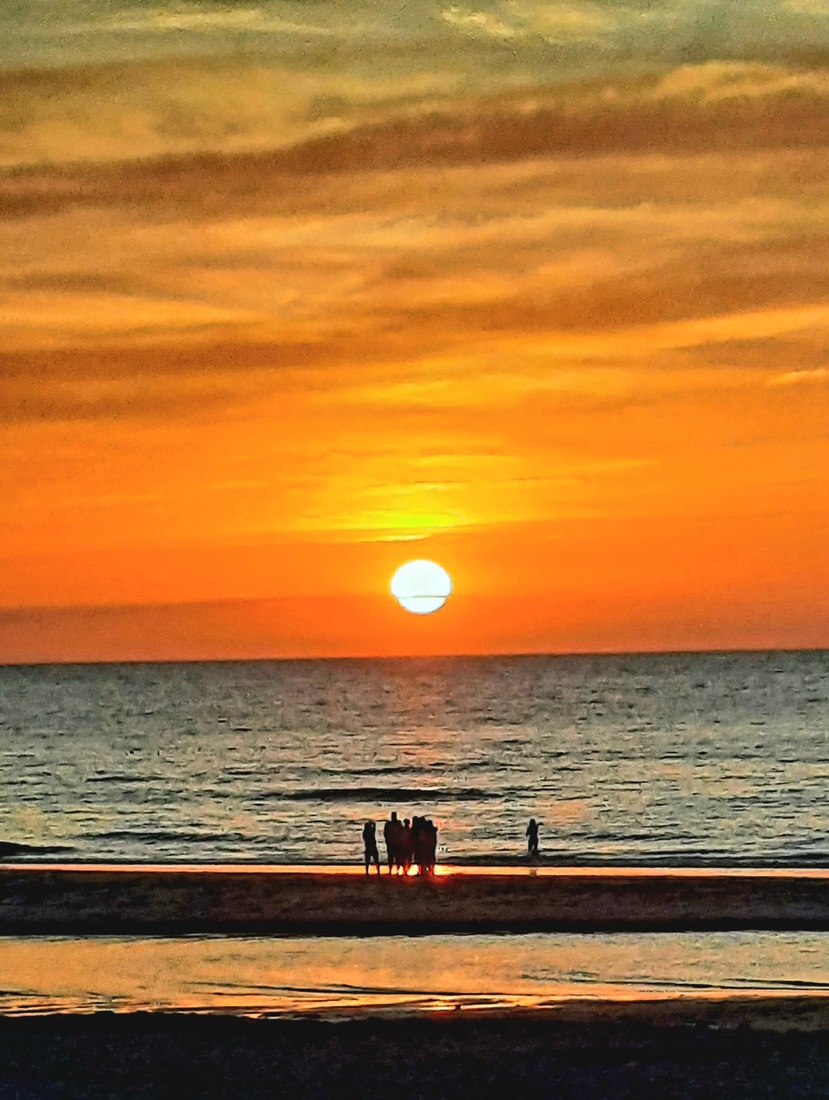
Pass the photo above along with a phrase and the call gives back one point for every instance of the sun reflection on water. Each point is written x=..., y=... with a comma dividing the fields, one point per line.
x=266, y=976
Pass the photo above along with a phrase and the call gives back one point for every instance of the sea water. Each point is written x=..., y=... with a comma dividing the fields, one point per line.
x=273, y=976
x=649, y=759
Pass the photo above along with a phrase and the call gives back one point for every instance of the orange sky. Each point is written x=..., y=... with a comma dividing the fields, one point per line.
x=567, y=340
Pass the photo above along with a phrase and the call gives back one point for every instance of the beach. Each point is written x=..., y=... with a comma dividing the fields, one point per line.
x=176, y=900
x=583, y=1051
x=126, y=981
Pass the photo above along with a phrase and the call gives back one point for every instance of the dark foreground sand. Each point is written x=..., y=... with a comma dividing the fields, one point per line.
x=171, y=900
x=601, y=1050
x=748, y=1046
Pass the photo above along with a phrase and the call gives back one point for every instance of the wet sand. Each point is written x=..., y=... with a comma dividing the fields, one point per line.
x=748, y=1045
x=586, y=1051
x=89, y=899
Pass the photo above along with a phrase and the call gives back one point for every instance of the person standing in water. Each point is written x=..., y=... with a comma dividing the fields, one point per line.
x=392, y=831
x=532, y=838
x=407, y=846
x=431, y=846
x=370, y=845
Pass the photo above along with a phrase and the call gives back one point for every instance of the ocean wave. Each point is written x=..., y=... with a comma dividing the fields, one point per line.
x=9, y=849
x=126, y=779
x=383, y=794
x=166, y=836
x=298, y=772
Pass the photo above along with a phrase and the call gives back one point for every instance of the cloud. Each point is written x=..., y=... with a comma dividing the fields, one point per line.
x=157, y=400
x=719, y=80
x=614, y=31
x=155, y=381
x=799, y=377
x=153, y=108
x=206, y=155
x=411, y=94
x=279, y=285
x=478, y=22
x=547, y=23
x=257, y=19
x=73, y=316
x=140, y=109
x=504, y=41
x=403, y=258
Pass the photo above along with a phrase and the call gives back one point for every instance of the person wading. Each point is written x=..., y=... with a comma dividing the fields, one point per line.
x=532, y=838
x=393, y=835
x=370, y=845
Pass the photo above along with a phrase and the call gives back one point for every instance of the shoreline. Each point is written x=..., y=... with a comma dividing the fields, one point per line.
x=169, y=899
x=21, y=855
x=442, y=870
x=730, y=1010
x=476, y=869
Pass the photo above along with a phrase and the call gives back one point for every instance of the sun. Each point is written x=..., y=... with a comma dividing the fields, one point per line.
x=421, y=586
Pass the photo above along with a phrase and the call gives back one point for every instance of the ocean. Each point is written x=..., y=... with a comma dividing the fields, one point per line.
x=674, y=759
x=342, y=976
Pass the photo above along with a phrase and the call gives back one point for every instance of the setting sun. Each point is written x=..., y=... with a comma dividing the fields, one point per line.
x=421, y=586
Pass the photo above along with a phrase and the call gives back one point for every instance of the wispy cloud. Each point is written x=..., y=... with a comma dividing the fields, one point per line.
x=799, y=377
x=191, y=17
x=479, y=22
x=547, y=23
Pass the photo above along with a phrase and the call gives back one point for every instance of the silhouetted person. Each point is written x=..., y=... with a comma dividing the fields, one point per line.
x=532, y=838
x=399, y=842
x=392, y=831
x=407, y=846
x=419, y=843
x=424, y=844
x=430, y=845
x=370, y=845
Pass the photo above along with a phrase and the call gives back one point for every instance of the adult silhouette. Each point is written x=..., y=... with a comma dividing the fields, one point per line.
x=392, y=834
x=532, y=838
x=407, y=846
x=371, y=855
x=431, y=845
x=419, y=842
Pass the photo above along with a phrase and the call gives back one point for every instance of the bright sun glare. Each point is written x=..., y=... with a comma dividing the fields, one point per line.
x=421, y=586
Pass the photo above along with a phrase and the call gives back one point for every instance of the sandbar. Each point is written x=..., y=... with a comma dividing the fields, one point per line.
x=89, y=899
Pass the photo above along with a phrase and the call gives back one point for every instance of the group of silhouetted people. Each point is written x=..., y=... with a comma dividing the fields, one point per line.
x=408, y=844
x=415, y=843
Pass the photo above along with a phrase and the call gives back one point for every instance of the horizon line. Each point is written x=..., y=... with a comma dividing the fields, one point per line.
x=494, y=655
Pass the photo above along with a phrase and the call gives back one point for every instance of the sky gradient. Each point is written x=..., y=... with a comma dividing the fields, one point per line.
x=538, y=290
